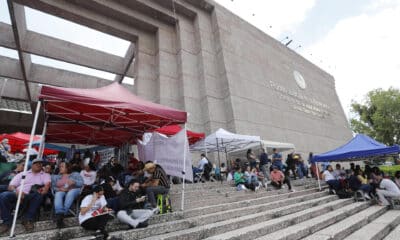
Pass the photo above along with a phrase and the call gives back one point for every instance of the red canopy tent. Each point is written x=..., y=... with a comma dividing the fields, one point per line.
x=109, y=115
x=174, y=129
x=18, y=142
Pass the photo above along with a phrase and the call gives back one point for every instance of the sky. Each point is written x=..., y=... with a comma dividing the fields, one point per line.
x=356, y=41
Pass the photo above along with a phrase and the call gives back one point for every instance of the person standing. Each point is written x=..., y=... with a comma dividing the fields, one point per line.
x=251, y=158
x=264, y=166
x=277, y=159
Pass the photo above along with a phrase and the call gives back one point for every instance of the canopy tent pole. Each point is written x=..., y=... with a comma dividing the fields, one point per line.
x=317, y=171
x=226, y=159
x=25, y=168
x=183, y=171
x=219, y=160
x=205, y=148
x=42, y=141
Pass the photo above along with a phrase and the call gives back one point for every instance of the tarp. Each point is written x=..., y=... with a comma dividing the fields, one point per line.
x=109, y=115
x=224, y=141
x=268, y=145
x=18, y=142
x=168, y=152
x=361, y=146
x=174, y=129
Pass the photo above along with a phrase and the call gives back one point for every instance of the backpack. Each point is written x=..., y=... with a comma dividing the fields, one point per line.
x=164, y=203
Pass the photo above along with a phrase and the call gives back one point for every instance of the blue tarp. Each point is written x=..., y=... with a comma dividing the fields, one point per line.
x=361, y=146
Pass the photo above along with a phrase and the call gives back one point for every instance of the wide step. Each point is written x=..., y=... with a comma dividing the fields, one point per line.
x=232, y=224
x=394, y=235
x=378, y=228
x=305, y=228
x=347, y=226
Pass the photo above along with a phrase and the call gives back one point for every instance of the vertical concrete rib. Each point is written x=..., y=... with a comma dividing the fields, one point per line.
x=17, y=15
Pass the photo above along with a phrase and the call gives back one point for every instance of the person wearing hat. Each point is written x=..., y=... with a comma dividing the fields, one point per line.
x=37, y=184
x=131, y=206
x=157, y=183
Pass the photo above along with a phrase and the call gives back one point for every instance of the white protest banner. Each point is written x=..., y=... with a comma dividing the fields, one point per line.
x=168, y=153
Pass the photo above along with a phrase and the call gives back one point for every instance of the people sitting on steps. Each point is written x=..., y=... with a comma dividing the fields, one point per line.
x=251, y=177
x=93, y=213
x=202, y=163
x=387, y=189
x=156, y=183
x=131, y=205
x=278, y=178
x=241, y=182
x=7, y=176
x=330, y=179
x=37, y=185
x=66, y=187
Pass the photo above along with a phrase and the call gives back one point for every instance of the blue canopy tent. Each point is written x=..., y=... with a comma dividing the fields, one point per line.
x=360, y=147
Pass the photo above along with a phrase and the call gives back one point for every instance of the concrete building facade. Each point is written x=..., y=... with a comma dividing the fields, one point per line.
x=192, y=55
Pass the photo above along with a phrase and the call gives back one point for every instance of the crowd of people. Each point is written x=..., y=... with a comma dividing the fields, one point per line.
x=256, y=172
x=100, y=192
x=371, y=182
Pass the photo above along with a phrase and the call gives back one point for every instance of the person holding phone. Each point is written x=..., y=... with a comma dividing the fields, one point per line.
x=131, y=206
x=94, y=214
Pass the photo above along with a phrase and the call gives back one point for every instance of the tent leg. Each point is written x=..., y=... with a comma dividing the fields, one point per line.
x=316, y=170
x=219, y=159
x=41, y=146
x=184, y=172
x=25, y=168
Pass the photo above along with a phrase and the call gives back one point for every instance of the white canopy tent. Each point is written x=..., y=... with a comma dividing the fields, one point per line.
x=224, y=141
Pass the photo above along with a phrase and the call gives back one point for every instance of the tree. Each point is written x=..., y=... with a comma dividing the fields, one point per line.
x=379, y=116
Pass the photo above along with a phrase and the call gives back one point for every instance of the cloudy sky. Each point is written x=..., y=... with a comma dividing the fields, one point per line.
x=356, y=41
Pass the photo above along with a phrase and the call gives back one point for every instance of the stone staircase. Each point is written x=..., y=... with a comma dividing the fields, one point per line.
x=218, y=211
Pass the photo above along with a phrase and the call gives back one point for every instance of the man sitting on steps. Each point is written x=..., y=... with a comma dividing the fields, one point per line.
x=131, y=204
x=387, y=188
x=157, y=183
x=278, y=179
x=37, y=184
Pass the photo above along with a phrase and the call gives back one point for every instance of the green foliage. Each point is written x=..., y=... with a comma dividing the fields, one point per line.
x=379, y=116
x=390, y=170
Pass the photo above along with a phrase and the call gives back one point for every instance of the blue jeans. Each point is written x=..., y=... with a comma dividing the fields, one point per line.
x=335, y=184
x=30, y=204
x=64, y=200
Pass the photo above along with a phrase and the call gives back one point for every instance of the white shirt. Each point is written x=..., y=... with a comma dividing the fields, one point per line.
x=99, y=204
x=328, y=176
x=389, y=185
x=88, y=177
x=203, y=162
